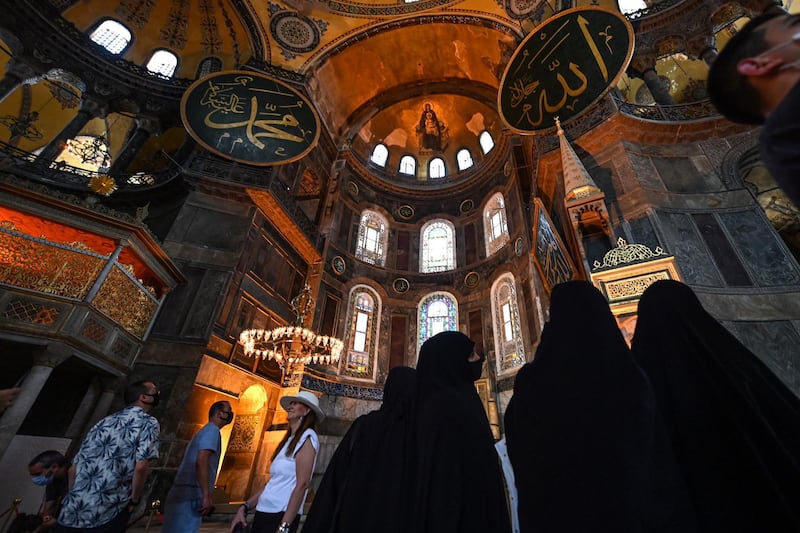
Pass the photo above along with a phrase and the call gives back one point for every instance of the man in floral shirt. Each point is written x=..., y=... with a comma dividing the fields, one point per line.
x=108, y=473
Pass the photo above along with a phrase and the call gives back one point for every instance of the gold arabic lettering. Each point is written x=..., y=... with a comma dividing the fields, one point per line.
x=269, y=128
x=521, y=91
x=584, y=25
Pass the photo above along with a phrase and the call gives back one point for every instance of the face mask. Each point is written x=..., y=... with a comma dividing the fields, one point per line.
x=476, y=368
x=42, y=480
x=227, y=417
x=156, y=397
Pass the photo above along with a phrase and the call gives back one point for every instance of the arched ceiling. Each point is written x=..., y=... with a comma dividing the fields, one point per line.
x=370, y=67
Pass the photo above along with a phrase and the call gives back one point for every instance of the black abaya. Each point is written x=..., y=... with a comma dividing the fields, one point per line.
x=459, y=486
x=366, y=486
x=734, y=426
x=580, y=425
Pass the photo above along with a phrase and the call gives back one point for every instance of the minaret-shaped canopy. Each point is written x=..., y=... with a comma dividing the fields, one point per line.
x=578, y=184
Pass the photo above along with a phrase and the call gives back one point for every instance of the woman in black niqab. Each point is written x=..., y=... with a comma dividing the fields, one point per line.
x=734, y=426
x=366, y=486
x=459, y=483
x=579, y=427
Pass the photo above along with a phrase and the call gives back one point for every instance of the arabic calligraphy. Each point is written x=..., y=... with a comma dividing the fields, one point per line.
x=563, y=67
x=249, y=117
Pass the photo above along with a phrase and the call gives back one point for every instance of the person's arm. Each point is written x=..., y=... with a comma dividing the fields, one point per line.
x=304, y=467
x=241, y=513
x=139, y=477
x=70, y=477
x=202, y=468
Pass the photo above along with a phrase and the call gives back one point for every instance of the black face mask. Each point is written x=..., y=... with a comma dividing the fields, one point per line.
x=476, y=368
x=156, y=397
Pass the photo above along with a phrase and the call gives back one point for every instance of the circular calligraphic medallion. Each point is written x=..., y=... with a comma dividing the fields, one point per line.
x=405, y=211
x=249, y=117
x=338, y=264
x=563, y=67
x=471, y=279
x=519, y=246
x=400, y=285
x=467, y=206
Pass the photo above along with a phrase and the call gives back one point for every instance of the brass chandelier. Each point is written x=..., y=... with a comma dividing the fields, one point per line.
x=295, y=344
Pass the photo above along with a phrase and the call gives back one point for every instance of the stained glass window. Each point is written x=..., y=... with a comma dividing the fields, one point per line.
x=486, y=141
x=408, y=165
x=438, y=246
x=363, y=317
x=379, y=155
x=371, y=244
x=436, y=168
x=163, y=63
x=437, y=312
x=209, y=65
x=464, y=159
x=509, y=345
x=495, y=227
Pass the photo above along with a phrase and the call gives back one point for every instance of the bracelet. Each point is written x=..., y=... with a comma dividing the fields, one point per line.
x=246, y=508
x=284, y=527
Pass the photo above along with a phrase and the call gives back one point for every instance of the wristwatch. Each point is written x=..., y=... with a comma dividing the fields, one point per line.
x=284, y=527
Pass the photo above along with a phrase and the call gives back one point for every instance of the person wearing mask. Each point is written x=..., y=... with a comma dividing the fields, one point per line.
x=733, y=424
x=580, y=428
x=458, y=483
x=108, y=473
x=278, y=506
x=755, y=79
x=189, y=499
x=49, y=469
x=366, y=487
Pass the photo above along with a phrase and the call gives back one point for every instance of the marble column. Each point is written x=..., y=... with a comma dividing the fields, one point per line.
x=43, y=364
x=86, y=408
x=90, y=108
x=17, y=73
x=657, y=87
x=144, y=128
x=110, y=389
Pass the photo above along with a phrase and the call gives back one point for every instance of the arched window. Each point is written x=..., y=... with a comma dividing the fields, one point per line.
x=209, y=65
x=371, y=245
x=437, y=312
x=436, y=168
x=438, y=246
x=487, y=143
x=379, y=155
x=509, y=346
x=364, y=311
x=495, y=226
x=163, y=63
x=408, y=165
x=630, y=6
x=112, y=36
x=464, y=159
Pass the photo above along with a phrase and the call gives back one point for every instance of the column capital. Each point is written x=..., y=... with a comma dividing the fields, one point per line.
x=21, y=70
x=51, y=355
x=93, y=106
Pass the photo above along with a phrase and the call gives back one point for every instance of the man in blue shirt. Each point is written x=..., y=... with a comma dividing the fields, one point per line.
x=189, y=499
x=108, y=474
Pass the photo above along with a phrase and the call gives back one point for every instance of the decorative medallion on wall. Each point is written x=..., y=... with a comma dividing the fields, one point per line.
x=507, y=169
x=563, y=67
x=520, y=9
x=405, y=212
x=338, y=264
x=294, y=31
x=519, y=246
x=249, y=117
x=352, y=188
x=467, y=206
x=400, y=285
x=471, y=279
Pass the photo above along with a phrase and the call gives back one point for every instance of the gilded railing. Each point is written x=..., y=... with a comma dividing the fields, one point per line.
x=673, y=113
x=72, y=270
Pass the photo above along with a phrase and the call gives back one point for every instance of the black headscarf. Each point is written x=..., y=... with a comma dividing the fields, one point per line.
x=459, y=483
x=579, y=427
x=366, y=486
x=734, y=426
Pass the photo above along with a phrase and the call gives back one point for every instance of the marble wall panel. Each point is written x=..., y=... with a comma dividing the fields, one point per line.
x=684, y=242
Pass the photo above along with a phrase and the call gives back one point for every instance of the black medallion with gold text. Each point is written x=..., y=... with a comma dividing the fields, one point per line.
x=563, y=67
x=250, y=118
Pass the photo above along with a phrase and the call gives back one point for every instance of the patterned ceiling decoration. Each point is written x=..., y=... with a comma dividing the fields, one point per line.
x=359, y=9
x=174, y=31
x=294, y=32
x=520, y=9
x=211, y=41
x=136, y=12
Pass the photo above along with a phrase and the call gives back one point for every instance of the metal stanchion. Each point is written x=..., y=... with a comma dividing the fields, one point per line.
x=155, y=506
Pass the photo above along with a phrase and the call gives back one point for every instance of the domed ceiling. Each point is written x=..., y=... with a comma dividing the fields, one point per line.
x=370, y=68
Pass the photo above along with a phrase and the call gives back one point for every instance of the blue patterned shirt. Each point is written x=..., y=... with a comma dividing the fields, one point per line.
x=104, y=467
